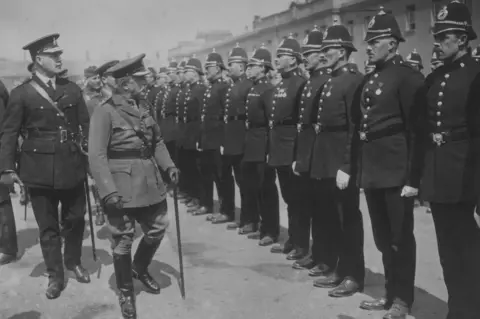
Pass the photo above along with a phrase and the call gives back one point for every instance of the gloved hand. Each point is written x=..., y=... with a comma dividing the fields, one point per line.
x=113, y=203
x=9, y=178
x=174, y=174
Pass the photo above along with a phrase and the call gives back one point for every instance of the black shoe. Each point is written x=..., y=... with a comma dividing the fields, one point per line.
x=80, y=274
x=234, y=225
x=376, y=304
x=267, y=241
x=122, y=265
x=348, y=287
x=304, y=263
x=247, y=229
x=330, y=281
x=54, y=289
x=141, y=261
x=397, y=311
x=319, y=270
x=7, y=258
x=201, y=211
x=222, y=219
x=297, y=254
x=282, y=248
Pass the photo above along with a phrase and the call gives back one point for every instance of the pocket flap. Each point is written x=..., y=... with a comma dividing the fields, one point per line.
x=120, y=167
x=40, y=146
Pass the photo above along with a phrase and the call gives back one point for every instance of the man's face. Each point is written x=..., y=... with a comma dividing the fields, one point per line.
x=150, y=78
x=248, y=72
x=190, y=76
x=284, y=61
x=162, y=79
x=173, y=77
x=315, y=60
x=180, y=76
x=94, y=82
x=109, y=80
x=212, y=72
x=137, y=84
x=332, y=56
x=449, y=44
x=51, y=62
x=379, y=49
x=236, y=69
x=255, y=71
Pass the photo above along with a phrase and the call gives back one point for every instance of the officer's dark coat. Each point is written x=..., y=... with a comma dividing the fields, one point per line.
x=213, y=108
x=4, y=191
x=451, y=171
x=386, y=100
x=168, y=113
x=306, y=117
x=256, y=136
x=283, y=117
x=45, y=163
x=333, y=142
x=180, y=114
x=138, y=181
x=234, y=117
x=193, y=108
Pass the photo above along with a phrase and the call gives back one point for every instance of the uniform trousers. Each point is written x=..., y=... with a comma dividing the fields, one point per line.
x=210, y=170
x=288, y=187
x=230, y=165
x=189, y=172
x=458, y=239
x=261, y=199
x=8, y=231
x=337, y=226
x=392, y=224
x=153, y=220
x=45, y=208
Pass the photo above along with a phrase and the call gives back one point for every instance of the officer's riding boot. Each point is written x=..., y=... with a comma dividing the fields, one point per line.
x=123, y=274
x=141, y=261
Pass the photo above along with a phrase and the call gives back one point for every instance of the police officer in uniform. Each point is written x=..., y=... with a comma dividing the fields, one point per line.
x=52, y=112
x=283, y=118
x=232, y=149
x=304, y=197
x=415, y=60
x=260, y=191
x=369, y=67
x=211, y=137
x=451, y=169
x=337, y=218
x=189, y=115
x=8, y=231
x=384, y=117
x=125, y=148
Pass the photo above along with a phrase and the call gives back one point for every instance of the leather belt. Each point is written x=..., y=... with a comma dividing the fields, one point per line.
x=319, y=128
x=388, y=131
x=165, y=115
x=441, y=138
x=286, y=122
x=62, y=135
x=211, y=118
x=189, y=120
x=249, y=125
x=145, y=153
x=231, y=118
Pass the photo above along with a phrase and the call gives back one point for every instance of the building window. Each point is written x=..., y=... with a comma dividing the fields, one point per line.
x=365, y=25
x=410, y=18
x=351, y=28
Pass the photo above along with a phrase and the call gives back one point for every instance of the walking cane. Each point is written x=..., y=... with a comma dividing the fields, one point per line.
x=179, y=241
x=90, y=218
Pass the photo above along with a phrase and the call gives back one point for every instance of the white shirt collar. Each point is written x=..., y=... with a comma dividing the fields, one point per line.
x=45, y=79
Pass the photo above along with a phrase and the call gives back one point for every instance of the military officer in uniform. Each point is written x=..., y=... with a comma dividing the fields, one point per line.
x=125, y=148
x=451, y=169
x=107, y=79
x=260, y=191
x=337, y=218
x=415, y=60
x=211, y=137
x=232, y=148
x=189, y=116
x=52, y=112
x=305, y=196
x=283, y=119
x=8, y=230
x=384, y=118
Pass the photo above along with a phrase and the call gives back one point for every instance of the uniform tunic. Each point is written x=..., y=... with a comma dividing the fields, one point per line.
x=137, y=180
x=213, y=108
x=168, y=113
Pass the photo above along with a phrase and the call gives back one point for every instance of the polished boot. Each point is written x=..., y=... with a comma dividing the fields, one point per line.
x=376, y=304
x=297, y=253
x=55, y=288
x=123, y=274
x=330, y=281
x=7, y=258
x=141, y=261
x=283, y=248
x=319, y=270
x=348, y=287
x=81, y=274
x=304, y=263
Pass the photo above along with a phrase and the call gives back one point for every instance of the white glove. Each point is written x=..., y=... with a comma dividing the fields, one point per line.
x=408, y=191
x=294, y=169
x=342, y=179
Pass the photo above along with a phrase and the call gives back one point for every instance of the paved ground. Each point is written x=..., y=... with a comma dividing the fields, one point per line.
x=227, y=276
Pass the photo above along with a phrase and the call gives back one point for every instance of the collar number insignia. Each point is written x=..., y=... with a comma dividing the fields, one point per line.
x=442, y=14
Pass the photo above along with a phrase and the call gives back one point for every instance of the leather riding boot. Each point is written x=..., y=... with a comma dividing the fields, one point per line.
x=123, y=273
x=141, y=261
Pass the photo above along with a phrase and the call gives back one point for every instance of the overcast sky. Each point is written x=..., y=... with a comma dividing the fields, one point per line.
x=110, y=28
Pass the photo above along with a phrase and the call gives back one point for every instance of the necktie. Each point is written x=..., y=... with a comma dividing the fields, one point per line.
x=50, y=85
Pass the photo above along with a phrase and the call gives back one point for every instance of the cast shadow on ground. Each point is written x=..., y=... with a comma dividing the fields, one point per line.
x=93, y=267
x=27, y=238
x=93, y=311
x=27, y=315
x=158, y=270
x=426, y=305
x=105, y=234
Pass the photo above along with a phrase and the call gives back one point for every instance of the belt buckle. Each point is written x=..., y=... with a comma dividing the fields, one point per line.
x=299, y=127
x=270, y=124
x=225, y=119
x=177, y=119
x=363, y=136
x=203, y=118
x=247, y=124
x=63, y=136
x=438, y=139
x=318, y=128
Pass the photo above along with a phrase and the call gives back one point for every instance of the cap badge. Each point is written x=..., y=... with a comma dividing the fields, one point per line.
x=409, y=57
x=371, y=23
x=281, y=43
x=442, y=14
x=325, y=34
x=305, y=40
